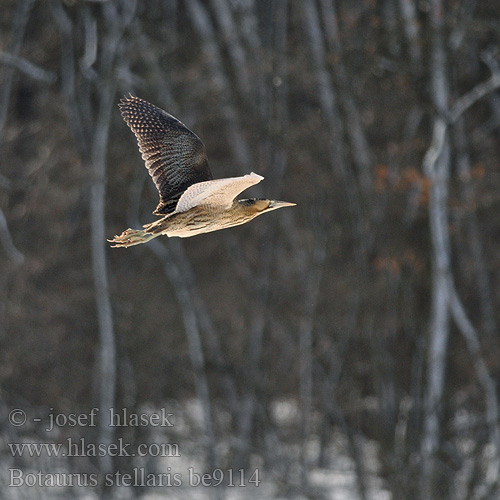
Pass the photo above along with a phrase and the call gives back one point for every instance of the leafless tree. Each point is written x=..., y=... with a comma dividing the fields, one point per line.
x=93, y=136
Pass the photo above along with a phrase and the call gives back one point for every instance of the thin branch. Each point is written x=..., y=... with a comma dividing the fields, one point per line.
x=7, y=242
x=5, y=182
x=472, y=230
x=457, y=110
x=79, y=126
x=474, y=95
x=18, y=30
x=484, y=376
x=27, y=67
x=408, y=9
x=91, y=41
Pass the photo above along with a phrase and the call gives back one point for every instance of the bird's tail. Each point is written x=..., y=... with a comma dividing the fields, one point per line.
x=131, y=237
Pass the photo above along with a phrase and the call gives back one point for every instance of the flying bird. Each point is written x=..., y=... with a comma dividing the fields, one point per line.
x=191, y=201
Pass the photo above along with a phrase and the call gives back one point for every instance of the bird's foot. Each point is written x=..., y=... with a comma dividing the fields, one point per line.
x=131, y=237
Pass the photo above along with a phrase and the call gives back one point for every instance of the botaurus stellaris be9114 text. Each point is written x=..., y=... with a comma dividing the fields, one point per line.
x=191, y=201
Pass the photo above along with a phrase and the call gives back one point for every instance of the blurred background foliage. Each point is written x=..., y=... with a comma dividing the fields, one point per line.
x=330, y=304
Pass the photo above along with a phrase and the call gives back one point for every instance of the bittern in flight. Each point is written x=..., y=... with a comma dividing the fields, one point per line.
x=191, y=201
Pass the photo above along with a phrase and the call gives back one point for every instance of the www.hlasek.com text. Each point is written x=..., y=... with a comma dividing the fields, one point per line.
x=82, y=448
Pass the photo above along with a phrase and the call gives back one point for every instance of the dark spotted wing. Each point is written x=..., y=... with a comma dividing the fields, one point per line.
x=175, y=157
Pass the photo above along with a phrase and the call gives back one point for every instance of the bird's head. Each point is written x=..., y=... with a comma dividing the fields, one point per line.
x=258, y=206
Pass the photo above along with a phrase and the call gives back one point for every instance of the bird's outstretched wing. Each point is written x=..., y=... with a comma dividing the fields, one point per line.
x=175, y=157
x=218, y=193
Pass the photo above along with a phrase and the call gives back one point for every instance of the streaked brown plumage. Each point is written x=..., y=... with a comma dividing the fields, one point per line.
x=190, y=200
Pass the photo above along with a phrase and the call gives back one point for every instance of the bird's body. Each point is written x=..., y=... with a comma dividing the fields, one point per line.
x=196, y=221
x=191, y=201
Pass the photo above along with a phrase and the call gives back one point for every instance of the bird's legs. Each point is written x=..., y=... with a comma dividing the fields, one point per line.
x=131, y=237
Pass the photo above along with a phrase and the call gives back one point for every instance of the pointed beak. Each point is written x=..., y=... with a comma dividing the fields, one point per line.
x=280, y=204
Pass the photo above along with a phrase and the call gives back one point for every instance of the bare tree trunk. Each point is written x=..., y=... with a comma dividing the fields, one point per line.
x=444, y=297
x=437, y=168
x=116, y=23
x=107, y=349
x=248, y=404
x=359, y=145
x=328, y=103
x=241, y=153
x=231, y=38
x=437, y=171
x=19, y=23
x=306, y=327
x=79, y=126
x=390, y=23
x=472, y=229
x=334, y=413
x=271, y=111
x=206, y=325
x=408, y=9
x=93, y=141
x=490, y=484
x=193, y=333
x=235, y=139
